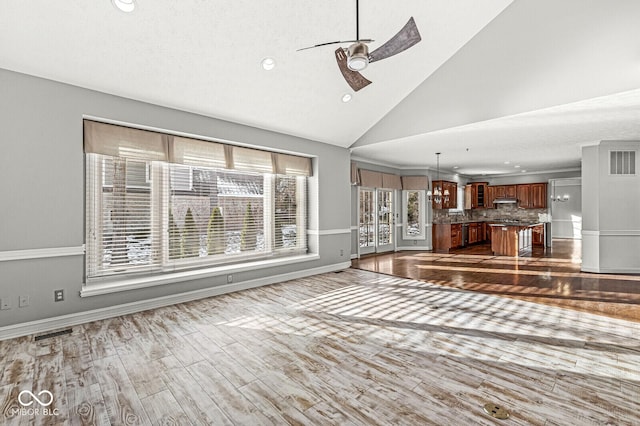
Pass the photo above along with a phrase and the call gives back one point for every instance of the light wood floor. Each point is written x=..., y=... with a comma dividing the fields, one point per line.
x=349, y=348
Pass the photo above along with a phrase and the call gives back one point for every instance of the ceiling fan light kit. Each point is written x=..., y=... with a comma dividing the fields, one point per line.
x=126, y=6
x=356, y=57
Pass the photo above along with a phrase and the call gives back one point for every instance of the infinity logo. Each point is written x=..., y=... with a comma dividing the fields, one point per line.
x=34, y=397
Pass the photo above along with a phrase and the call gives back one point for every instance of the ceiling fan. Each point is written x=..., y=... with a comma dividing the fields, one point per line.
x=356, y=57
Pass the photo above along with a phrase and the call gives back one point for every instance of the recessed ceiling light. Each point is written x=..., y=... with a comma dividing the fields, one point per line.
x=125, y=5
x=517, y=166
x=523, y=171
x=507, y=162
x=346, y=98
x=456, y=167
x=268, y=64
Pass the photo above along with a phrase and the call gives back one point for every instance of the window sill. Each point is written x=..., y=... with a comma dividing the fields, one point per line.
x=96, y=289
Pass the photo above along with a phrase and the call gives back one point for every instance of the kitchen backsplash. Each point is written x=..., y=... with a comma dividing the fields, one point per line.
x=503, y=211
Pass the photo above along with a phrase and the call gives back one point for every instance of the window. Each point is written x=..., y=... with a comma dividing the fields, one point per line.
x=157, y=203
x=413, y=224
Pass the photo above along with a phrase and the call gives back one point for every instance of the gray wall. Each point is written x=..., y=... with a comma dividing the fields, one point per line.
x=400, y=242
x=610, y=206
x=42, y=191
x=522, y=178
x=566, y=216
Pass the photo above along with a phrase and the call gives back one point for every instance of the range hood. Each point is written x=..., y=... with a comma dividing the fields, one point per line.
x=505, y=201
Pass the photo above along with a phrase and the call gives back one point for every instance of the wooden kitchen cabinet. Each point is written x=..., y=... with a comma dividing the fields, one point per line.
x=456, y=235
x=446, y=236
x=489, y=197
x=538, y=195
x=473, y=233
x=452, y=201
x=537, y=237
x=452, y=187
x=476, y=195
x=524, y=196
x=505, y=191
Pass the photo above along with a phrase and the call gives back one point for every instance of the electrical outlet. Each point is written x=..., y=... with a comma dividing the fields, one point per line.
x=23, y=301
x=341, y=252
x=58, y=295
x=229, y=279
x=5, y=304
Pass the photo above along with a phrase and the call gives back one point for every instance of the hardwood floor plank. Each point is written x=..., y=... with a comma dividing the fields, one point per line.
x=10, y=407
x=49, y=376
x=235, y=405
x=163, y=409
x=84, y=396
x=19, y=363
x=145, y=340
x=121, y=400
x=277, y=410
x=86, y=405
x=197, y=405
x=99, y=339
x=144, y=374
x=354, y=348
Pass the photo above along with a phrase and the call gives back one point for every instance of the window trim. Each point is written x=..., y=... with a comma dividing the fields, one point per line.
x=136, y=283
x=293, y=165
x=421, y=214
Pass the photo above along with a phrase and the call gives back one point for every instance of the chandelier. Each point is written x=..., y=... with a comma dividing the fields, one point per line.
x=438, y=194
x=554, y=197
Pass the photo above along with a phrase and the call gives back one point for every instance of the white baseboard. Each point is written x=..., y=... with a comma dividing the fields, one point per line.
x=49, y=324
x=597, y=270
x=354, y=256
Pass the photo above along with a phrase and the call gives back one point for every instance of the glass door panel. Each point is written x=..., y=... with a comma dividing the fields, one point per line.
x=385, y=220
x=366, y=219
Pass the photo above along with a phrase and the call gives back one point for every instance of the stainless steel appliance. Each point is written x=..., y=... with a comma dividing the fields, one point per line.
x=465, y=235
x=547, y=234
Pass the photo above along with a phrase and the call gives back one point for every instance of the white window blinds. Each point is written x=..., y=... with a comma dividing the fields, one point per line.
x=213, y=204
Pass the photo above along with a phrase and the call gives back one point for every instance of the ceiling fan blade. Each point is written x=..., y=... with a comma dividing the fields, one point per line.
x=353, y=78
x=367, y=40
x=406, y=37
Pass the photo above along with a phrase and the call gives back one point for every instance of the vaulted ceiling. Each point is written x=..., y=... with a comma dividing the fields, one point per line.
x=525, y=82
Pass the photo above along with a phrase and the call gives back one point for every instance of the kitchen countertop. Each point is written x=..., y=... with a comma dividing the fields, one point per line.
x=517, y=224
x=490, y=222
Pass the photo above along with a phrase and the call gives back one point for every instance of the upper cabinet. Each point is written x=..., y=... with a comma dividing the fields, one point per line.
x=539, y=195
x=523, y=193
x=490, y=195
x=449, y=201
x=475, y=195
x=528, y=196
x=532, y=195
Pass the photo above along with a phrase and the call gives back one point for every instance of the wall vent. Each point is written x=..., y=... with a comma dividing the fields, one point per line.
x=622, y=163
x=53, y=334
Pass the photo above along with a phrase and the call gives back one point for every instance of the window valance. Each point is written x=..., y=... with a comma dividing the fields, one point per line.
x=415, y=182
x=126, y=142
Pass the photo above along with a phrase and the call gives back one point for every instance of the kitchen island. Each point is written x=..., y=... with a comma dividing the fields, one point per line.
x=512, y=239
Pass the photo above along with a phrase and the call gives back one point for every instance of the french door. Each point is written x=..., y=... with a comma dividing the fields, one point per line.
x=375, y=217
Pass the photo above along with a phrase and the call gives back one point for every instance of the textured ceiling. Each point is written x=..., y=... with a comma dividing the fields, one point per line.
x=527, y=81
x=205, y=56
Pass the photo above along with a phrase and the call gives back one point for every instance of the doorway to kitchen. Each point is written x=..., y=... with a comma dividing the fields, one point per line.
x=376, y=228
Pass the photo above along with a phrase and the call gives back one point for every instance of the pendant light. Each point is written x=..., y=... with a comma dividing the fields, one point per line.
x=438, y=194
